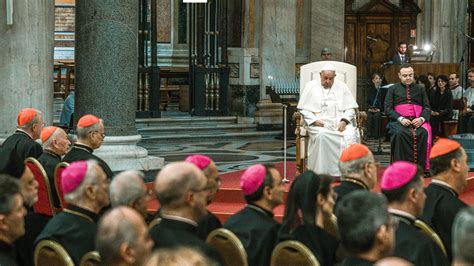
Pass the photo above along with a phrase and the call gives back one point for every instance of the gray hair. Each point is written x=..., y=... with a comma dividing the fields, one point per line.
x=82, y=132
x=126, y=187
x=33, y=121
x=9, y=187
x=90, y=179
x=354, y=168
x=359, y=217
x=114, y=229
x=47, y=144
x=463, y=236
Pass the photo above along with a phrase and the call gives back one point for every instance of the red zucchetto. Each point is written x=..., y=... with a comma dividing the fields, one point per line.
x=87, y=121
x=252, y=179
x=25, y=116
x=397, y=175
x=443, y=146
x=47, y=132
x=354, y=152
x=201, y=161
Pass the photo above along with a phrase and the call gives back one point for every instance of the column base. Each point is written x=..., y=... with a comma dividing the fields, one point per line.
x=268, y=115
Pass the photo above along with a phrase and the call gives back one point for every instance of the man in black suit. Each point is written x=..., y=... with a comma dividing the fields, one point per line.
x=401, y=56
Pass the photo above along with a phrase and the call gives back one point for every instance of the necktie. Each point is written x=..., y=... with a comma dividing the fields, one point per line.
x=403, y=58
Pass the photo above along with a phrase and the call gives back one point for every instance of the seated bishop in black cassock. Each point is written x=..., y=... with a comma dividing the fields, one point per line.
x=254, y=225
x=90, y=136
x=407, y=107
x=402, y=185
x=442, y=195
x=30, y=124
x=76, y=226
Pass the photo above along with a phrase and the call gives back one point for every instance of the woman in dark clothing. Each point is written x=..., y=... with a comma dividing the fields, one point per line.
x=441, y=102
x=375, y=98
x=425, y=82
x=309, y=206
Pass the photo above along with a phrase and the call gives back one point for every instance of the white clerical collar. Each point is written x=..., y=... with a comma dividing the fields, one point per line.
x=179, y=218
x=442, y=183
x=401, y=213
x=18, y=129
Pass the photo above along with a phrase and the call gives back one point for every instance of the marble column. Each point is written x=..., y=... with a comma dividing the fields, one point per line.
x=327, y=28
x=277, y=52
x=106, y=78
x=26, y=61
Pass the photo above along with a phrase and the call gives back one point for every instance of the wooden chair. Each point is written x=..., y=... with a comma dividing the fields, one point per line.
x=45, y=204
x=450, y=127
x=57, y=178
x=91, y=258
x=293, y=253
x=51, y=253
x=229, y=247
x=428, y=231
x=346, y=73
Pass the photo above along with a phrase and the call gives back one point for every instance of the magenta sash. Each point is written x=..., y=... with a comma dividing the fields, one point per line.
x=415, y=110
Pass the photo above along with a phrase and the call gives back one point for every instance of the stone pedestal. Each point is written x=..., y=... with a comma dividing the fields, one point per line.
x=269, y=115
x=26, y=61
x=106, y=78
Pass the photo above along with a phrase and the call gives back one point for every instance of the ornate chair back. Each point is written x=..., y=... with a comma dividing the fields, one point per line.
x=229, y=247
x=91, y=258
x=428, y=231
x=49, y=252
x=293, y=253
x=45, y=204
x=57, y=178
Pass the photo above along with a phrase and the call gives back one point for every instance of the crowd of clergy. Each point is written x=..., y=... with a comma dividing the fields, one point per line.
x=341, y=224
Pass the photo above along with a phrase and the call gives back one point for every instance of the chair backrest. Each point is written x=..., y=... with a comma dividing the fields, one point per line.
x=45, y=204
x=293, y=253
x=57, y=178
x=91, y=258
x=229, y=247
x=345, y=72
x=49, y=252
x=154, y=223
x=428, y=231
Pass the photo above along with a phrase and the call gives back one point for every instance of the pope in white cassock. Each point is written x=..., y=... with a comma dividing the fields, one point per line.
x=328, y=108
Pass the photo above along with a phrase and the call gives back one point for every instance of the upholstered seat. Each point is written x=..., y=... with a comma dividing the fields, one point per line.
x=57, y=178
x=293, y=253
x=229, y=247
x=49, y=253
x=91, y=258
x=45, y=204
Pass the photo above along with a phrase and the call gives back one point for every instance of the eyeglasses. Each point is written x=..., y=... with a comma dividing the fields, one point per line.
x=102, y=134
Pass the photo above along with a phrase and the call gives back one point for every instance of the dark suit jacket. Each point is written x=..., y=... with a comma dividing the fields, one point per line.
x=7, y=255
x=397, y=60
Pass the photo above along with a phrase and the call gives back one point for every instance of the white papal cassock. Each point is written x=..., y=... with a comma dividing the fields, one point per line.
x=330, y=106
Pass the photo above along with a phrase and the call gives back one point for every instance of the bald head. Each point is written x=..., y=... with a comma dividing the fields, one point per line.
x=174, y=180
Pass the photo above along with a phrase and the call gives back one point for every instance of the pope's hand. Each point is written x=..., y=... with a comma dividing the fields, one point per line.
x=342, y=126
x=318, y=123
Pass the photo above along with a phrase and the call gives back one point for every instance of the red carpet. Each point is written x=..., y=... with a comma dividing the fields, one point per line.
x=229, y=199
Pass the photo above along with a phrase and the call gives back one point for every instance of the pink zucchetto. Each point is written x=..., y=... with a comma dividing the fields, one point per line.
x=252, y=179
x=397, y=175
x=73, y=175
x=201, y=161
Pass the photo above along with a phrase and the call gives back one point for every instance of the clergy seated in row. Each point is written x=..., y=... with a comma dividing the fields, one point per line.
x=55, y=145
x=402, y=185
x=463, y=234
x=12, y=214
x=449, y=168
x=122, y=237
x=311, y=197
x=11, y=165
x=90, y=136
x=210, y=222
x=375, y=102
x=23, y=141
x=128, y=189
x=86, y=190
x=254, y=225
x=467, y=118
x=408, y=109
x=328, y=108
x=365, y=227
x=358, y=171
x=441, y=103
x=181, y=189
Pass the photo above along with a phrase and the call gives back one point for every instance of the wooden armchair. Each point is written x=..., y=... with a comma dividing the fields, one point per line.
x=229, y=247
x=346, y=73
x=49, y=252
x=293, y=253
x=428, y=231
x=57, y=178
x=91, y=258
x=45, y=204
